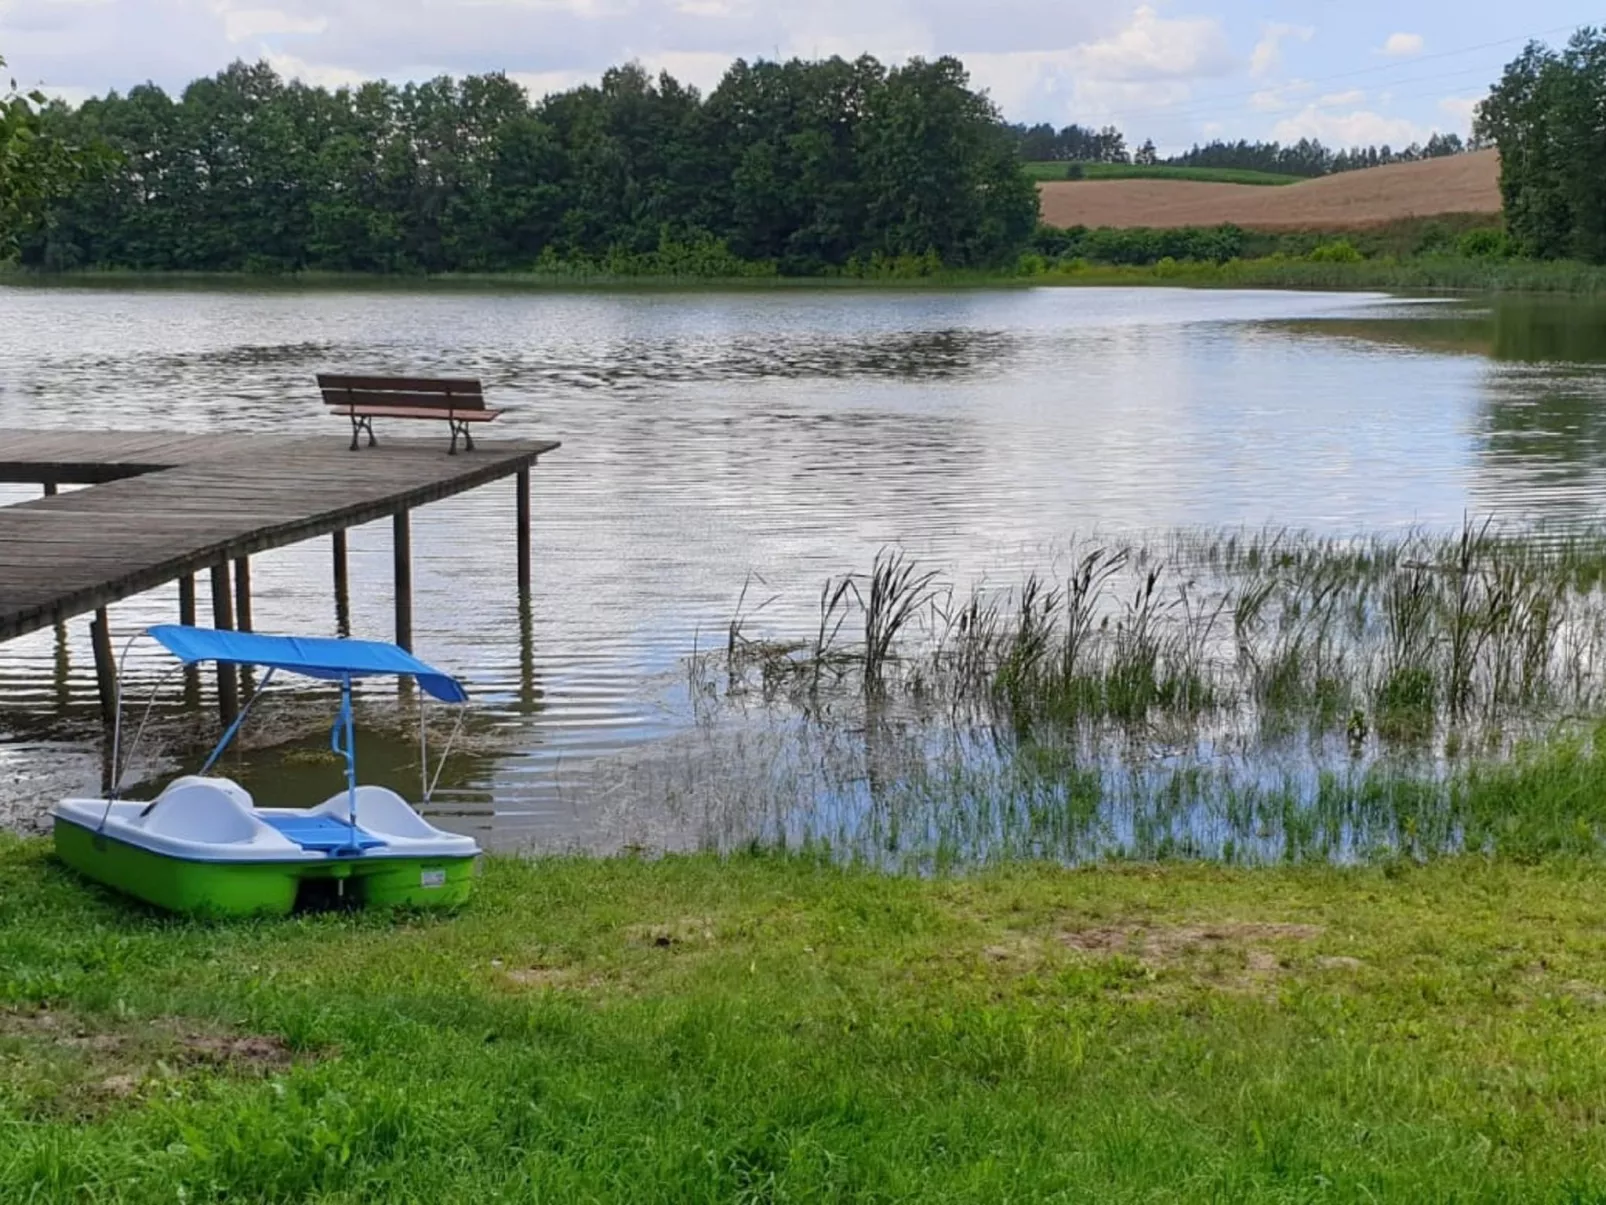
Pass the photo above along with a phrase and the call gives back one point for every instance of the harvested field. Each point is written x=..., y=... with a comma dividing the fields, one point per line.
x=1458, y=184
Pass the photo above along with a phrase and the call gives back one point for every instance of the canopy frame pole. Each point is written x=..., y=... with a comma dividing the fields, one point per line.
x=351, y=755
x=228, y=734
x=117, y=720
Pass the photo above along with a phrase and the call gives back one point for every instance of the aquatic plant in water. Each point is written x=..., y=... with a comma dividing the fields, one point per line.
x=1238, y=694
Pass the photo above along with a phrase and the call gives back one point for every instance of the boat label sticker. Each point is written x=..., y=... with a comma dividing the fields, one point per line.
x=433, y=878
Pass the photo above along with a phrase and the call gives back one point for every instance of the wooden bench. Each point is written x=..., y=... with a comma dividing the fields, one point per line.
x=459, y=401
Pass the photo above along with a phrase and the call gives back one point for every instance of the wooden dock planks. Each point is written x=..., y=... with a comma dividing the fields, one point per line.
x=161, y=505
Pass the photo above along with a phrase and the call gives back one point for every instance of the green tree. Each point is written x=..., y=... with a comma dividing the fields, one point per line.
x=798, y=167
x=1545, y=116
x=38, y=163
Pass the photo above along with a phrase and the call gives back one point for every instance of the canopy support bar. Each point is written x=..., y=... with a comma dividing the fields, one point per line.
x=228, y=734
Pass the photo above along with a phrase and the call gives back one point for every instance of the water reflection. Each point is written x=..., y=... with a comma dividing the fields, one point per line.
x=791, y=435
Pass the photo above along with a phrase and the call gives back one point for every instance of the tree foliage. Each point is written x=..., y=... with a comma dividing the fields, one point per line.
x=37, y=166
x=1548, y=117
x=1070, y=144
x=805, y=166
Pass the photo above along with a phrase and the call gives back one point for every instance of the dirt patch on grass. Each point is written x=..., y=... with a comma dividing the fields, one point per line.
x=1164, y=945
x=1348, y=200
x=538, y=977
x=165, y=1037
x=64, y=1064
x=685, y=931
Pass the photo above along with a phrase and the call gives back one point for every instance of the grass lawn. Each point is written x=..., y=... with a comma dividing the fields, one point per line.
x=776, y=1029
x=1053, y=170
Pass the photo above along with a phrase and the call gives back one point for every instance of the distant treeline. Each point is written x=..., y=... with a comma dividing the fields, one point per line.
x=1307, y=157
x=798, y=167
x=1548, y=117
x=1070, y=144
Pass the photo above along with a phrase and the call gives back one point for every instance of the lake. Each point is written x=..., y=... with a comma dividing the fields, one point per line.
x=772, y=439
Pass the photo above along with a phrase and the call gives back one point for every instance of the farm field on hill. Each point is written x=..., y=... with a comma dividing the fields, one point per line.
x=1457, y=184
x=1049, y=169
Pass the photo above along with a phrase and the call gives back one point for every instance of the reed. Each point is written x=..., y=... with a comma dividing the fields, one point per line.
x=1413, y=640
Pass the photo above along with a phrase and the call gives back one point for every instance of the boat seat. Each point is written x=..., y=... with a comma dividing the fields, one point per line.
x=320, y=833
x=200, y=809
x=380, y=810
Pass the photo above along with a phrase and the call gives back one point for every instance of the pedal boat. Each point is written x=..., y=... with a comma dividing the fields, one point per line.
x=203, y=847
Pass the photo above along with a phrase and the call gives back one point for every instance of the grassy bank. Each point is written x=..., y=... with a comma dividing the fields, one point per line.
x=1384, y=271
x=1406, y=274
x=773, y=1029
x=1272, y=272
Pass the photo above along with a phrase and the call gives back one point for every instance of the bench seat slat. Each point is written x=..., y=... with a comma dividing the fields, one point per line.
x=424, y=401
x=456, y=385
x=462, y=416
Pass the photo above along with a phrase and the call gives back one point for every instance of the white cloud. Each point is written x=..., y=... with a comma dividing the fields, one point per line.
x=699, y=69
x=543, y=83
x=1282, y=97
x=1359, y=127
x=1152, y=47
x=1267, y=55
x=1461, y=110
x=249, y=24
x=318, y=75
x=1401, y=45
x=1335, y=100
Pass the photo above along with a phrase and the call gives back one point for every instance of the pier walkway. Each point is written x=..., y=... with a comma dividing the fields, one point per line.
x=164, y=506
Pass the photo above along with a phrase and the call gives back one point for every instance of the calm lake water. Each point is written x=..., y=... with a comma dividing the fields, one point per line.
x=786, y=435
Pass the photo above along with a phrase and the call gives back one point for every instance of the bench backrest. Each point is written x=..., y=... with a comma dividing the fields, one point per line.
x=461, y=393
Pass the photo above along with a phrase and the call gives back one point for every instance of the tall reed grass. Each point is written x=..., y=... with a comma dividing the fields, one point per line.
x=1396, y=639
x=1238, y=694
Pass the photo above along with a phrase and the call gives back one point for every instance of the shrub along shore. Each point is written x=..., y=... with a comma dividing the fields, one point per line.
x=1447, y=256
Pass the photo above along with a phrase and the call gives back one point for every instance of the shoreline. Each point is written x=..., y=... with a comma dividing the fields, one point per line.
x=1447, y=275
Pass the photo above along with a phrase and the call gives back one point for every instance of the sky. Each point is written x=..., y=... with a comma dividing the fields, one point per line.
x=1349, y=72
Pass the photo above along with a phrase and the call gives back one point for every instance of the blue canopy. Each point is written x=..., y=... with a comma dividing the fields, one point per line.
x=314, y=656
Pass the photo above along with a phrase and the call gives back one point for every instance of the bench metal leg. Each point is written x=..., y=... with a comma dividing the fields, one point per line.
x=360, y=423
x=460, y=427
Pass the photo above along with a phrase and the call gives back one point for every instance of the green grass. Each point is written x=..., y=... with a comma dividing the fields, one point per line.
x=1053, y=170
x=775, y=1029
x=1421, y=274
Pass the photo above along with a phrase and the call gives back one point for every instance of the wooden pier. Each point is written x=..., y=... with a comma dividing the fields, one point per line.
x=165, y=506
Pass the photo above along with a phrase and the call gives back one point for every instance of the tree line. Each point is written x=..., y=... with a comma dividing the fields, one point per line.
x=803, y=167
x=1547, y=115
x=1307, y=157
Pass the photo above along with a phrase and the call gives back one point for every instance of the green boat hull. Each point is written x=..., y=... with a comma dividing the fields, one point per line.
x=223, y=889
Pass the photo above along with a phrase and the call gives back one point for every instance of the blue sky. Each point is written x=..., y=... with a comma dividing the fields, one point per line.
x=1174, y=70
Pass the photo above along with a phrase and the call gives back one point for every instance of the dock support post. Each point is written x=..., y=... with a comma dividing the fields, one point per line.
x=100, y=637
x=342, y=586
x=50, y=489
x=186, y=616
x=402, y=540
x=524, y=532
x=228, y=702
x=242, y=594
